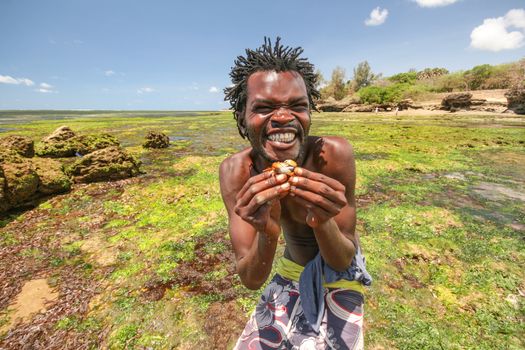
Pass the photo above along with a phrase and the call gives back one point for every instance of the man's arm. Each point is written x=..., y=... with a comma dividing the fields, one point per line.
x=253, y=215
x=330, y=200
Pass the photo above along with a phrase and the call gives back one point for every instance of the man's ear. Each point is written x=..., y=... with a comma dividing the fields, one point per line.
x=241, y=124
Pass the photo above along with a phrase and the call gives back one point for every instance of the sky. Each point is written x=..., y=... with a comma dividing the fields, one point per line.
x=176, y=55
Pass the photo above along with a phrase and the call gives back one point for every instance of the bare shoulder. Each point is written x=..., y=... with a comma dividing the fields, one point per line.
x=334, y=157
x=338, y=146
x=234, y=171
x=331, y=154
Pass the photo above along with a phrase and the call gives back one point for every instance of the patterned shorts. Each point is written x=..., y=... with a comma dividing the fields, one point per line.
x=278, y=321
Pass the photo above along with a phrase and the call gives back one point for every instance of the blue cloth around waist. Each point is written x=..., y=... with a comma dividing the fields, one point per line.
x=311, y=284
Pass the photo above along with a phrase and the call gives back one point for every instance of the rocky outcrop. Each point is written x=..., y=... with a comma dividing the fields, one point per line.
x=22, y=145
x=111, y=163
x=516, y=100
x=51, y=176
x=359, y=108
x=64, y=143
x=332, y=105
x=4, y=205
x=23, y=180
x=63, y=133
x=156, y=139
x=457, y=101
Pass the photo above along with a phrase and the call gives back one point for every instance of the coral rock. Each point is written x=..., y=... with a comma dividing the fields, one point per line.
x=516, y=100
x=156, y=140
x=76, y=145
x=22, y=145
x=111, y=163
x=63, y=133
x=23, y=180
x=454, y=102
x=52, y=178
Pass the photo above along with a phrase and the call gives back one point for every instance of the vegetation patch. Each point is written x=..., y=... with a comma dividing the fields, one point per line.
x=440, y=216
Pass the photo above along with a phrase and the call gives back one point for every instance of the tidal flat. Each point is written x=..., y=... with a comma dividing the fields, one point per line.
x=146, y=263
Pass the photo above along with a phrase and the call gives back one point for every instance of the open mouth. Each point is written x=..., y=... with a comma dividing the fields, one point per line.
x=284, y=137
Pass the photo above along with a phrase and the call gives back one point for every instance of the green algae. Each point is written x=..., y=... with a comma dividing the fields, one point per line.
x=446, y=261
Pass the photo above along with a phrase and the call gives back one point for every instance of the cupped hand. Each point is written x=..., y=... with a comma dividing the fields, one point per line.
x=323, y=196
x=258, y=202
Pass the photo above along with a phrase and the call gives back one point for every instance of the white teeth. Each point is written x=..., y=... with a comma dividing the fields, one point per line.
x=282, y=137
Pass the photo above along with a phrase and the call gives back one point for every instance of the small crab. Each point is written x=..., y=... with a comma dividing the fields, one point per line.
x=287, y=167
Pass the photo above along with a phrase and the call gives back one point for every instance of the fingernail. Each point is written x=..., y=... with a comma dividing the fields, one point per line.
x=298, y=171
x=295, y=180
x=285, y=186
x=280, y=177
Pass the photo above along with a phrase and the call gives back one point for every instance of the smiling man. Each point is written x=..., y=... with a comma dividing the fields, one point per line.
x=315, y=299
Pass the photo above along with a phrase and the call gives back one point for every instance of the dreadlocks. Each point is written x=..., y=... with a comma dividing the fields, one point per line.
x=267, y=58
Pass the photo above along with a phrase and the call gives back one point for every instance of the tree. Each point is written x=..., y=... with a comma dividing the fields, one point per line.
x=408, y=78
x=477, y=76
x=320, y=82
x=336, y=87
x=431, y=73
x=363, y=76
x=451, y=82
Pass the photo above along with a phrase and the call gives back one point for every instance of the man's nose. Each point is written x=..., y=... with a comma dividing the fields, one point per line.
x=282, y=117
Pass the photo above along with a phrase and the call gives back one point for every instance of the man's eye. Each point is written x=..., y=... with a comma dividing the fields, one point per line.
x=300, y=108
x=263, y=109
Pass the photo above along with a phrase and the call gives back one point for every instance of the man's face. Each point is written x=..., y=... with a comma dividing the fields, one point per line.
x=277, y=115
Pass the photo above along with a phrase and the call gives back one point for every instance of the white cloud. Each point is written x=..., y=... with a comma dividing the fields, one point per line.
x=214, y=89
x=7, y=79
x=46, y=88
x=435, y=3
x=516, y=18
x=494, y=34
x=144, y=90
x=109, y=73
x=377, y=17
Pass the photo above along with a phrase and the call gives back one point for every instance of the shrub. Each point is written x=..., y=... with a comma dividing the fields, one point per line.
x=407, y=78
x=477, y=76
x=384, y=94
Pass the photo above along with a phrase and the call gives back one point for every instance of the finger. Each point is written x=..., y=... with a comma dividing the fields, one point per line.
x=333, y=183
x=316, y=200
x=253, y=180
x=264, y=184
x=265, y=196
x=320, y=189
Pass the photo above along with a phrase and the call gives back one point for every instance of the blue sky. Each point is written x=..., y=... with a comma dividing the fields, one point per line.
x=175, y=55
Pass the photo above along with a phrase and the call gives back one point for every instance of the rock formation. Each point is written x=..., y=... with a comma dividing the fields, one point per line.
x=63, y=133
x=156, y=139
x=516, y=100
x=110, y=163
x=63, y=142
x=22, y=145
x=23, y=180
x=457, y=101
x=333, y=105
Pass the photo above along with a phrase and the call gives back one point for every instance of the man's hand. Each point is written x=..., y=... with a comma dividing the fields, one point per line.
x=323, y=196
x=258, y=202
